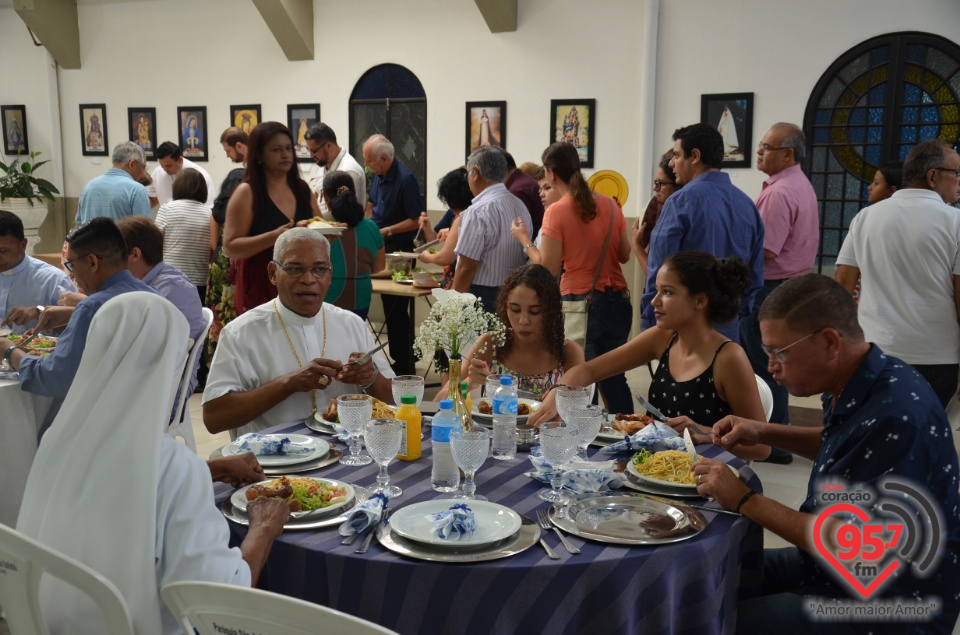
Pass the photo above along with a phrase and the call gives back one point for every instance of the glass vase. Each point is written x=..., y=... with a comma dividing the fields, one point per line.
x=459, y=405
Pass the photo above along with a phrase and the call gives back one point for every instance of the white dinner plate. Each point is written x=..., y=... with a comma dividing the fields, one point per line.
x=631, y=468
x=318, y=449
x=532, y=403
x=239, y=498
x=325, y=229
x=404, y=281
x=494, y=523
x=323, y=425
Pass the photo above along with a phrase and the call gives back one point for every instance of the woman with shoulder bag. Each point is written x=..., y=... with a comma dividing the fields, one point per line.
x=586, y=233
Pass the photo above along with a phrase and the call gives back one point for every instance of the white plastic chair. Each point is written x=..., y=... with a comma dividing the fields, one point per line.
x=766, y=397
x=24, y=561
x=181, y=425
x=200, y=605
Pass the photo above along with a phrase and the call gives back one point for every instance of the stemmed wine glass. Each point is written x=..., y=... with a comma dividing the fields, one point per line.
x=558, y=443
x=587, y=420
x=354, y=411
x=470, y=450
x=407, y=385
x=383, y=437
x=570, y=396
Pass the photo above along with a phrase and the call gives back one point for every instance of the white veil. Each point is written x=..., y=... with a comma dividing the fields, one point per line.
x=92, y=490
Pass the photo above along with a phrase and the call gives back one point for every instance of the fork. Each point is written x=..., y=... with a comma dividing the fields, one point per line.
x=546, y=525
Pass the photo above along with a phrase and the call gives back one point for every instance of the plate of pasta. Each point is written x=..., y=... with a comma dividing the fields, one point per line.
x=667, y=467
x=305, y=496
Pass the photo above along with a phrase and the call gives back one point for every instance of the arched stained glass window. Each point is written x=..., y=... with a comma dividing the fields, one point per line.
x=871, y=106
x=390, y=100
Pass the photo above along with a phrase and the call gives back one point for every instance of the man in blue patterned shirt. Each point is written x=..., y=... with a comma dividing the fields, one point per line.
x=881, y=420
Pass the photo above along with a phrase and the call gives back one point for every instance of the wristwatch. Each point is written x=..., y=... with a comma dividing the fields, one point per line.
x=7, y=354
x=389, y=230
x=527, y=246
x=40, y=310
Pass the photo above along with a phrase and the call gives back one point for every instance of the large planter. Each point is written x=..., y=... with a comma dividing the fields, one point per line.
x=31, y=215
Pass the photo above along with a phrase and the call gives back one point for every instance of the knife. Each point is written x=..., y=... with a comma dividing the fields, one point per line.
x=646, y=404
x=688, y=443
x=363, y=359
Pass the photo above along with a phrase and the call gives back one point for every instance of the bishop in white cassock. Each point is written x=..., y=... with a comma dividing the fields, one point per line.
x=286, y=359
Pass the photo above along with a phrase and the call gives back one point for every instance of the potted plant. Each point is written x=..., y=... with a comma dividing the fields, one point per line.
x=22, y=193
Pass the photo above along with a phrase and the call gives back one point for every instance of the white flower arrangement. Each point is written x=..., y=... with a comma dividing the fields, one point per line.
x=456, y=321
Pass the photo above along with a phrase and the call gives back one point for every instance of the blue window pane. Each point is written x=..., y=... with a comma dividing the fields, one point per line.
x=880, y=55
x=930, y=114
x=858, y=117
x=821, y=135
x=875, y=134
x=855, y=135
x=909, y=115
x=873, y=155
x=911, y=94
x=831, y=215
x=878, y=94
x=876, y=116
x=917, y=53
x=831, y=241
x=823, y=117
x=832, y=93
x=928, y=132
x=908, y=134
x=904, y=151
x=372, y=85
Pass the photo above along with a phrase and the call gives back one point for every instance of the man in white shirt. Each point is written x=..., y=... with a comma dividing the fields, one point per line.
x=171, y=160
x=906, y=252
x=322, y=143
x=286, y=359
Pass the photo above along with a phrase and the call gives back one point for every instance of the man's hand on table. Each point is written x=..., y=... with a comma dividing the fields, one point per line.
x=716, y=479
x=268, y=516
x=18, y=316
x=238, y=470
x=363, y=375
x=315, y=376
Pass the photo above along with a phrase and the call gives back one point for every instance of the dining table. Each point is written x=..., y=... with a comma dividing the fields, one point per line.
x=25, y=415
x=691, y=586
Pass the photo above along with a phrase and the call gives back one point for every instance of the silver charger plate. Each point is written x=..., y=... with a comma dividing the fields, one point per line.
x=315, y=424
x=528, y=536
x=235, y=515
x=627, y=519
x=279, y=470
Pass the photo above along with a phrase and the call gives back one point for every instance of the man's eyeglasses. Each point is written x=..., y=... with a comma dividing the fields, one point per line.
x=68, y=264
x=766, y=147
x=297, y=271
x=777, y=353
x=954, y=171
x=657, y=184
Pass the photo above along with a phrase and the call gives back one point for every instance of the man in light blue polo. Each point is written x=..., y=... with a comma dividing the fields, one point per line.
x=117, y=193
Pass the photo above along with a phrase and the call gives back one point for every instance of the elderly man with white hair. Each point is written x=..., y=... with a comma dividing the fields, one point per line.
x=117, y=193
x=283, y=360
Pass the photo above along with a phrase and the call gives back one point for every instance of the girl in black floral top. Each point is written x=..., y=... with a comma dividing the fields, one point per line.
x=702, y=375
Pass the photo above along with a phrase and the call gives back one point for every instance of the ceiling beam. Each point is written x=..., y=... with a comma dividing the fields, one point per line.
x=55, y=24
x=291, y=22
x=500, y=15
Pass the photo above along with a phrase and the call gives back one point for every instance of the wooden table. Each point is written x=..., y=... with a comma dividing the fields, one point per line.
x=389, y=287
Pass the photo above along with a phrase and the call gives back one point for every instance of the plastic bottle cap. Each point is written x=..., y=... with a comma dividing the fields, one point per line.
x=405, y=399
x=446, y=404
x=506, y=381
x=463, y=385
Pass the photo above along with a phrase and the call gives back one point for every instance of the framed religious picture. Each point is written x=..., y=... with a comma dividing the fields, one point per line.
x=14, y=119
x=245, y=117
x=299, y=119
x=142, y=129
x=486, y=125
x=575, y=121
x=93, y=130
x=732, y=114
x=192, y=122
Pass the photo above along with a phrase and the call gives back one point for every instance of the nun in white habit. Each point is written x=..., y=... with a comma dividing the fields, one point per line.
x=111, y=490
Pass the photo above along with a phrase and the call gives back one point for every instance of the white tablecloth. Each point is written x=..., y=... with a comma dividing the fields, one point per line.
x=23, y=415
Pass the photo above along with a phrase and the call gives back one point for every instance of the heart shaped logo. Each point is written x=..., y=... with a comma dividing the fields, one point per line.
x=855, y=584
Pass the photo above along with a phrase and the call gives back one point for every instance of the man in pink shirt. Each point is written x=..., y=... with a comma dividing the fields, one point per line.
x=788, y=207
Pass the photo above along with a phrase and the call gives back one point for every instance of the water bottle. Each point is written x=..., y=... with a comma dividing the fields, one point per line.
x=505, y=420
x=445, y=475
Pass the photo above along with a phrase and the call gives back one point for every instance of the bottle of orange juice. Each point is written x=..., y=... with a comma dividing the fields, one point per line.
x=410, y=416
x=467, y=399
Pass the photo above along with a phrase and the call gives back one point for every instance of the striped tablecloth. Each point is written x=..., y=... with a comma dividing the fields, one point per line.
x=686, y=587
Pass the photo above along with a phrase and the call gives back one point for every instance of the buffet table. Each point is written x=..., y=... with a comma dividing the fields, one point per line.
x=24, y=415
x=684, y=587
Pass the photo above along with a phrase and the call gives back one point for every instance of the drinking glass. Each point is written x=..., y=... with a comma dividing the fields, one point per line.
x=558, y=443
x=354, y=411
x=587, y=420
x=569, y=396
x=492, y=383
x=382, y=438
x=470, y=450
x=407, y=385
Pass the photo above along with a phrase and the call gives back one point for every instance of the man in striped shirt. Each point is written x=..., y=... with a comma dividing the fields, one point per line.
x=487, y=252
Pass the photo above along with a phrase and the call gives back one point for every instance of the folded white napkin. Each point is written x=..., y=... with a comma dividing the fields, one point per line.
x=455, y=523
x=584, y=480
x=653, y=437
x=545, y=469
x=364, y=515
x=267, y=444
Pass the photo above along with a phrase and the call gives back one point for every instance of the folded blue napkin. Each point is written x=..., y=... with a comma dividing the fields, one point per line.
x=364, y=515
x=653, y=438
x=267, y=445
x=584, y=480
x=456, y=523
